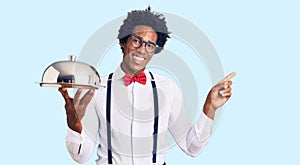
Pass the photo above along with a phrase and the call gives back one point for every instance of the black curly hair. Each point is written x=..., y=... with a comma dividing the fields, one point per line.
x=148, y=18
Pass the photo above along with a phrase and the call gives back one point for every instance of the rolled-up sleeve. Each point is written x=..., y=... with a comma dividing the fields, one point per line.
x=191, y=137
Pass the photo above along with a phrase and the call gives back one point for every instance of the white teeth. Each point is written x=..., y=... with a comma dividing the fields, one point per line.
x=139, y=58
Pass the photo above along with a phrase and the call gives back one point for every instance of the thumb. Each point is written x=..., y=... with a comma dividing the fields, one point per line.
x=65, y=94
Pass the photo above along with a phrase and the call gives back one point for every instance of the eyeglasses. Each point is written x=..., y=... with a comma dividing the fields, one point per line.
x=137, y=42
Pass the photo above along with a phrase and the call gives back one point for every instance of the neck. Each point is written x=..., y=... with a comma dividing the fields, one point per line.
x=131, y=72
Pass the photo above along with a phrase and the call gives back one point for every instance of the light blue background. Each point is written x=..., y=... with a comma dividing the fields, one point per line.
x=259, y=40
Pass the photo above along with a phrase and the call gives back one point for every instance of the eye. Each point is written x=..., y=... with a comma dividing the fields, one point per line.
x=136, y=41
x=151, y=46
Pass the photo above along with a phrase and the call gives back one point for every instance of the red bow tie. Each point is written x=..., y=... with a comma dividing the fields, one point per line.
x=141, y=78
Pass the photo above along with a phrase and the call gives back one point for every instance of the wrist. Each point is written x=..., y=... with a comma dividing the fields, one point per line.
x=74, y=123
x=209, y=111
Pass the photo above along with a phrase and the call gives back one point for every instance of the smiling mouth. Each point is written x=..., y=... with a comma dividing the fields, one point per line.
x=140, y=59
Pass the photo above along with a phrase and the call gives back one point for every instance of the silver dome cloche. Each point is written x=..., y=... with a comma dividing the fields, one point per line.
x=70, y=74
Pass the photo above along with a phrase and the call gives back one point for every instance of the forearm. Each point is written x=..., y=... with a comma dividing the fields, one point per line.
x=73, y=122
x=192, y=137
x=199, y=135
x=209, y=111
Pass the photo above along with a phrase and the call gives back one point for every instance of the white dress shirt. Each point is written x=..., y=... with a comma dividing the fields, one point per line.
x=132, y=120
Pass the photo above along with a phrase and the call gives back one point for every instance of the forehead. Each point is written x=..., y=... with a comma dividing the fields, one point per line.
x=146, y=32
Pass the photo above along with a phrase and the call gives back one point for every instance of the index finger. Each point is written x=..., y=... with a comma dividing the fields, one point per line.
x=87, y=97
x=228, y=77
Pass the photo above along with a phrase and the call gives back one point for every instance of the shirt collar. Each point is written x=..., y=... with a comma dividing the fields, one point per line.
x=119, y=73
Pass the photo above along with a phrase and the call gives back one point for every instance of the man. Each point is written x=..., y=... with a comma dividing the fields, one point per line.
x=133, y=113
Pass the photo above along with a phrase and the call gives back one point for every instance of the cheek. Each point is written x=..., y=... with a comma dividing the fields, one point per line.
x=127, y=50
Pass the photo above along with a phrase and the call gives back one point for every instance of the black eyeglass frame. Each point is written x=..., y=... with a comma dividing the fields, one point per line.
x=142, y=42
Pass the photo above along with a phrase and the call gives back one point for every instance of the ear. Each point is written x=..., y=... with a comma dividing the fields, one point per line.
x=122, y=45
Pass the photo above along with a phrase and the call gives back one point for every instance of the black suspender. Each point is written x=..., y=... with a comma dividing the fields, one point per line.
x=108, y=101
x=155, y=127
x=155, y=131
